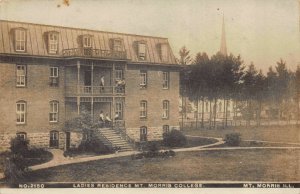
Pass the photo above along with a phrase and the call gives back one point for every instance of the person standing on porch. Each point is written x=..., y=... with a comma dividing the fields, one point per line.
x=101, y=118
x=102, y=84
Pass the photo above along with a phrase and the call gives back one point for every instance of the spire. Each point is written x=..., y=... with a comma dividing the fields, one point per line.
x=223, y=48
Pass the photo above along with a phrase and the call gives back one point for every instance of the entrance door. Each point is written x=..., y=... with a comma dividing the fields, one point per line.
x=68, y=138
x=87, y=81
x=54, y=139
x=143, y=133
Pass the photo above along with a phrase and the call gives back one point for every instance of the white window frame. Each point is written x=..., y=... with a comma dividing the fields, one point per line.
x=21, y=112
x=166, y=80
x=166, y=109
x=119, y=74
x=119, y=110
x=53, y=42
x=87, y=42
x=142, y=50
x=21, y=75
x=20, y=40
x=166, y=129
x=54, y=110
x=143, y=109
x=22, y=135
x=54, y=74
x=117, y=45
x=143, y=78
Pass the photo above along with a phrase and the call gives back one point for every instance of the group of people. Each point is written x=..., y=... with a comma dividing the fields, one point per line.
x=105, y=121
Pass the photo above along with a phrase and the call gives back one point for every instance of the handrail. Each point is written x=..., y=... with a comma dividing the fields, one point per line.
x=107, y=140
x=124, y=135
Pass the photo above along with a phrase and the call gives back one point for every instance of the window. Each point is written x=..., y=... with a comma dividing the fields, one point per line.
x=54, y=139
x=21, y=75
x=22, y=135
x=143, y=79
x=166, y=129
x=20, y=40
x=119, y=111
x=220, y=106
x=53, y=115
x=206, y=107
x=119, y=74
x=53, y=76
x=165, y=80
x=143, y=133
x=164, y=52
x=87, y=41
x=21, y=112
x=53, y=42
x=165, y=109
x=117, y=45
x=143, y=109
x=142, y=51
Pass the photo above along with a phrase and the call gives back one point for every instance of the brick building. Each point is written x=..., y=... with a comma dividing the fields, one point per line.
x=49, y=73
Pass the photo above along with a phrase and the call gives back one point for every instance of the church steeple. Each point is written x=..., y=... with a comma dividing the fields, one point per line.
x=223, y=48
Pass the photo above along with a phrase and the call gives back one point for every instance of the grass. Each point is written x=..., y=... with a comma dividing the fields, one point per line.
x=225, y=165
x=199, y=141
x=288, y=134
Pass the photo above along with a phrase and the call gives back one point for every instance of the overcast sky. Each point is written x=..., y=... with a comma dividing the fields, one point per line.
x=261, y=31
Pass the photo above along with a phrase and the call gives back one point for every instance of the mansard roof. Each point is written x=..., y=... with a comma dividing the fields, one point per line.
x=36, y=42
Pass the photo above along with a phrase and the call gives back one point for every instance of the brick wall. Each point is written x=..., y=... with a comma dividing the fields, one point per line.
x=154, y=94
x=37, y=95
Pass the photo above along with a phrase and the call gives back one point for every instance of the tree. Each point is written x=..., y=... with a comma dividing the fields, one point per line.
x=297, y=92
x=185, y=57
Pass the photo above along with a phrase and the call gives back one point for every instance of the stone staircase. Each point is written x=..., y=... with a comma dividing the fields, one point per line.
x=113, y=139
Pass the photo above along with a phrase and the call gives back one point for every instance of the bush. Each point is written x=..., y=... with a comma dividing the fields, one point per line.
x=92, y=145
x=16, y=164
x=152, y=154
x=174, y=139
x=233, y=139
x=19, y=146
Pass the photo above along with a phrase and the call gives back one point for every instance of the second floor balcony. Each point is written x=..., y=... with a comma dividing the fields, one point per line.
x=94, y=53
x=82, y=90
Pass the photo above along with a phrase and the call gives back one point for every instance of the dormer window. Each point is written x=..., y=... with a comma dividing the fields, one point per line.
x=164, y=52
x=87, y=41
x=87, y=45
x=117, y=45
x=20, y=40
x=142, y=51
x=53, y=42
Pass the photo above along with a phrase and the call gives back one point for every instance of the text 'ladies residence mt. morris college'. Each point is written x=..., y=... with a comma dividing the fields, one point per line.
x=50, y=75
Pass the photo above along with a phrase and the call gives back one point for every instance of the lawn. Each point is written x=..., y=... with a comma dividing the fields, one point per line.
x=286, y=134
x=218, y=165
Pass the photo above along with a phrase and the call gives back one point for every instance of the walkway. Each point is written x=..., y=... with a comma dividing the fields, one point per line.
x=59, y=159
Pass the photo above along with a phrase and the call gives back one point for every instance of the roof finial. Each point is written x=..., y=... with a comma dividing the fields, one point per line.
x=223, y=48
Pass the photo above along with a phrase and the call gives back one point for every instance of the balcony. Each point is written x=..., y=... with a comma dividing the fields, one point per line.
x=94, y=90
x=94, y=53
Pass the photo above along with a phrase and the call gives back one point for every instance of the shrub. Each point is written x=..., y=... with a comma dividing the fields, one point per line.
x=233, y=139
x=16, y=164
x=174, y=139
x=153, y=146
x=19, y=146
x=151, y=154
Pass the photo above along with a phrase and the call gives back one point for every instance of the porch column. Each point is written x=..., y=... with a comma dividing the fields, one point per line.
x=78, y=87
x=113, y=93
x=92, y=85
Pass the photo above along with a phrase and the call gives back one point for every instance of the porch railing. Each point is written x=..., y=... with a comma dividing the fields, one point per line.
x=95, y=53
x=95, y=90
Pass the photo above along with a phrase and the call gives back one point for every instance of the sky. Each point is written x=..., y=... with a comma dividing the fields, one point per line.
x=261, y=31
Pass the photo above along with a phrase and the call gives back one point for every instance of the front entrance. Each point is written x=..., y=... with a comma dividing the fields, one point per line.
x=54, y=139
x=143, y=133
x=68, y=138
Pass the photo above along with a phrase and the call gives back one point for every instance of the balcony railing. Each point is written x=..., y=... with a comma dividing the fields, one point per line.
x=94, y=90
x=95, y=53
